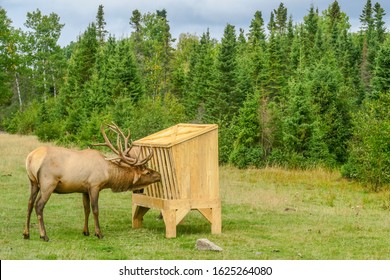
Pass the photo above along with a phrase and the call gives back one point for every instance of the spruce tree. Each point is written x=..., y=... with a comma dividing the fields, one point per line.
x=381, y=79
x=228, y=99
x=369, y=159
x=379, y=24
x=201, y=82
x=100, y=25
x=247, y=150
x=256, y=49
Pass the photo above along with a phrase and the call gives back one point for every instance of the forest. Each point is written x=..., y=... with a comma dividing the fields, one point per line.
x=295, y=95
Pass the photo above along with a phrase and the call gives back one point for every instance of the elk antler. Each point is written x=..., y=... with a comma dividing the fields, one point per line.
x=122, y=150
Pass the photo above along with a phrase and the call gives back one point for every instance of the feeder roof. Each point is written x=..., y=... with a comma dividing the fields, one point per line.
x=176, y=134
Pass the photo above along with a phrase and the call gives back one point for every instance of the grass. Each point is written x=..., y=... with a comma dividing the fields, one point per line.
x=266, y=214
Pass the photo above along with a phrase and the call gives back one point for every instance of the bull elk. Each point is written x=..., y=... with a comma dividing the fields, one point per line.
x=60, y=170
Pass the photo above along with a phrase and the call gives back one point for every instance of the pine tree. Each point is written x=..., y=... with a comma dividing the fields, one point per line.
x=127, y=72
x=256, y=36
x=280, y=24
x=302, y=137
x=153, y=47
x=310, y=35
x=247, y=150
x=228, y=100
x=381, y=79
x=331, y=100
x=201, y=81
x=369, y=159
x=182, y=61
x=366, y=18
x=274, y=68
x=256, y=49
x=379, y=24
x=100, y=25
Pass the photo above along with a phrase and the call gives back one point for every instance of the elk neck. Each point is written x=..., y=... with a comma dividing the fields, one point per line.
x=121, y=177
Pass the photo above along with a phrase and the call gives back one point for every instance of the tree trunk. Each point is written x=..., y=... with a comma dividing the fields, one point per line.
x=18, y=91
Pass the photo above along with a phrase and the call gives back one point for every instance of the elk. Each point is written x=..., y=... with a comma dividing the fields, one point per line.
x=60, y=170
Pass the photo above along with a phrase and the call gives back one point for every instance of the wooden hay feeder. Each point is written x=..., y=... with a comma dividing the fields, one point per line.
x=186, y=155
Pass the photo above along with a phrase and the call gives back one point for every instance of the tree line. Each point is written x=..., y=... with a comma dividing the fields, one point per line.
x=297, y=95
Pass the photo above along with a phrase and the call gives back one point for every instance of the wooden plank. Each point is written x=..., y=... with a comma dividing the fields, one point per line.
x=181, y=213
x=174, y=174
x=201, y=203
x=147, y=201
x=175, y=135
x=168, y=164
x=164, y=174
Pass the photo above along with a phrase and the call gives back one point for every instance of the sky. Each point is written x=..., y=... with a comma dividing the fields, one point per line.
x=184, y=16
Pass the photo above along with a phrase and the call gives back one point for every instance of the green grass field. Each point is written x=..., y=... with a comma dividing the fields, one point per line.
x=266, y=214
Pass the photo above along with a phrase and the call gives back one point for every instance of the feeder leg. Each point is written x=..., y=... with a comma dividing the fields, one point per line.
x=137, y=215
x=216, y=226
x=170, y=222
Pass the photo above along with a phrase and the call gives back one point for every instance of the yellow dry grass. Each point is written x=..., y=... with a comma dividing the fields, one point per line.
x=14, y=149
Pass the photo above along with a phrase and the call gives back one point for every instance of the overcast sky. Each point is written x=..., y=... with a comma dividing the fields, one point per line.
x=185, y=16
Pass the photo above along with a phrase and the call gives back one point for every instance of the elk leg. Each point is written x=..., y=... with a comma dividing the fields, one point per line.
x=33, y=195
x=94, y=196
x=43, y=197
x=87, y=211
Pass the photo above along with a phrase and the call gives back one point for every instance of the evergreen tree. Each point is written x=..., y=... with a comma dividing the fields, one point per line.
x=274, y=67
x=227, y=100
x=247, y=150
x=367, y=21
x=256, y=36
x=330, y=98
x=256, y=49
x=74, y=95
x=369, y=159
x=280, y=16
x=153, y=47
x=182, y=60
x=302, y=137
x=310, y=36
x=381, y=80
x=366, y=18
x=379, y=24
x=100, y=25
x=201, y=82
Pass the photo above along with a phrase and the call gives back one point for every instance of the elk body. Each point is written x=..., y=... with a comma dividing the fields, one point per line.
x=59, y=170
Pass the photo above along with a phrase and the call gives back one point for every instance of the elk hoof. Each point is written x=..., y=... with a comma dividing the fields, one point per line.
x=99, y=235
x=86, y=233
x=26, y=236
x=45, y=238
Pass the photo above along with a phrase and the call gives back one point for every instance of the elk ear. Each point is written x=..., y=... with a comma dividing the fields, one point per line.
x=136, y=178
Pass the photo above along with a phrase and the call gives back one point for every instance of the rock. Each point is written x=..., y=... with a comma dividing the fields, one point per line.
x=290, y=209
x=204, y=244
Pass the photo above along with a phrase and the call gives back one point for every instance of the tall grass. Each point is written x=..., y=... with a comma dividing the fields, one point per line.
x=266, y=214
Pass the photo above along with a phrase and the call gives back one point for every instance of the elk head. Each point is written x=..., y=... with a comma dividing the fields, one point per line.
x=128, y=155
